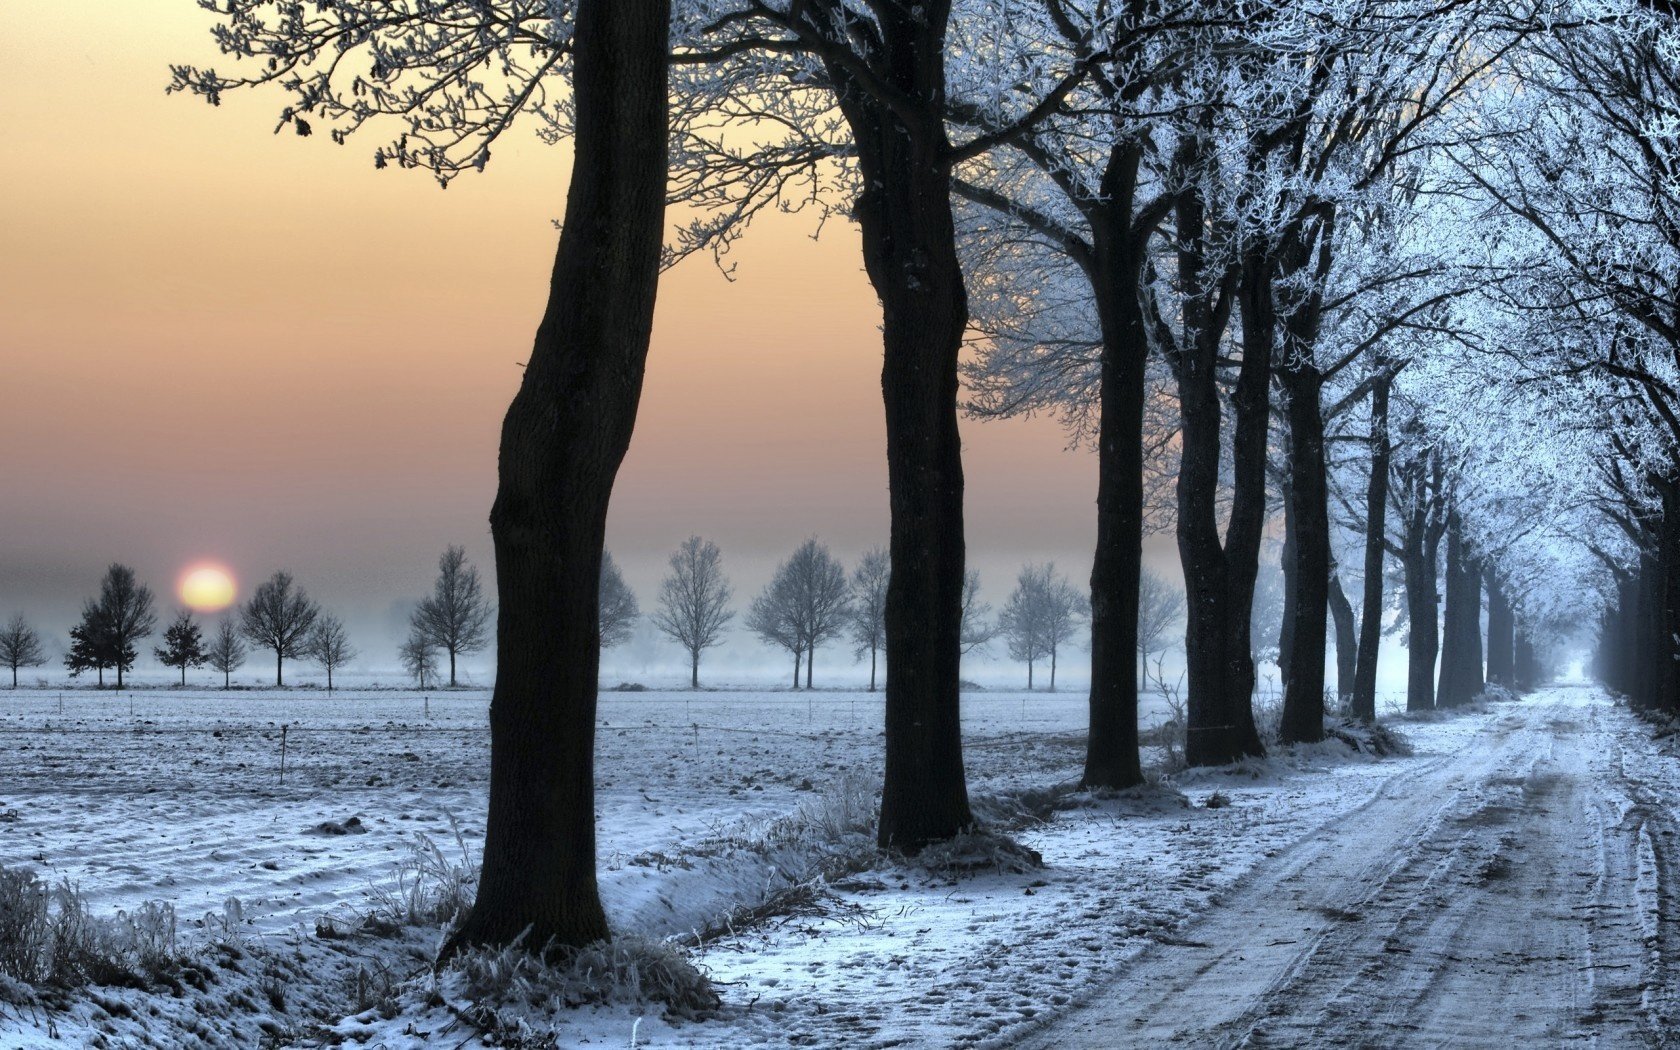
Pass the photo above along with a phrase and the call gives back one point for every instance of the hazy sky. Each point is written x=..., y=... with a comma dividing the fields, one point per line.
x=220, y=342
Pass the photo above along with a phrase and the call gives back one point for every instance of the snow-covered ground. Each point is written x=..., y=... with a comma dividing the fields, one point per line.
x=182, y=801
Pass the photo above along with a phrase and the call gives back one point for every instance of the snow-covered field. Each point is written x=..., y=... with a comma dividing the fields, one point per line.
x=182, y=801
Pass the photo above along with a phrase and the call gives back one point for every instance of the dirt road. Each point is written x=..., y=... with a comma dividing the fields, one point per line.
x=1522, y=892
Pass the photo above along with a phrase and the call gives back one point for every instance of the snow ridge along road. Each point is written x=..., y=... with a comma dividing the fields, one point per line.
x=1520, y=892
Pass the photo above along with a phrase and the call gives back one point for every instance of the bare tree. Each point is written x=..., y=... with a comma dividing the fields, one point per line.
x=619, y=611
x=823, y=598
x=774, y=617
x=227, y=650
x=329, y=645
x=1040, y=617
x=1022, y=620
x=1160, y=609
x=869, y=607
x=803, y=606
x=419, y=659
x=978, y=627
x=278, y=617
x=456, y=617
x=183, y=645
x=1065, y=608
x=694, y=601
x=20, y=646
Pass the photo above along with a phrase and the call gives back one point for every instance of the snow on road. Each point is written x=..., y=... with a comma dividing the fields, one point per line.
x=1520, y=891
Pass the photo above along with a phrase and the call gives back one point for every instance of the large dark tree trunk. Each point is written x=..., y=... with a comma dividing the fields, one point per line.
x=1461, y=642
x=1341, y=614
x=452, y=669
x=1286, y=562
x=1111, y=750
x=1303, y=694
x=562, y=442
x=1501, y=634
x=903, y=210
x=1376, y=524
x=1219, y=578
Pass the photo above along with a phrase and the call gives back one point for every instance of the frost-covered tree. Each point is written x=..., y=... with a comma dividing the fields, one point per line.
x=20, y=646
x=804, y=605
x=444, y=82
x=183, y=645
x=456, y=616
x=694, y=601
x=1039, y=618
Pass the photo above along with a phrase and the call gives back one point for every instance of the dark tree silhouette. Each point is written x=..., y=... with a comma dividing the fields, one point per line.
x=869, y=607
x=456, y=617
x=694, y=601
x=329, y=645
x=183, y=645
x=227, y=650
x=20, y=647
x=562, y=442
x=419, y=659
x=619, y=611
x=279, y=617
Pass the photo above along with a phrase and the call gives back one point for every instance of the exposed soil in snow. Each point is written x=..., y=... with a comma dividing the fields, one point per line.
x=1522, y=891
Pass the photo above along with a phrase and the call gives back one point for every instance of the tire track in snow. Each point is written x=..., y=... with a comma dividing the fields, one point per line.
x=1522, y=892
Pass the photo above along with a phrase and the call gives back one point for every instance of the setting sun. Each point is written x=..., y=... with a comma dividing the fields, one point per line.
x=207, y=588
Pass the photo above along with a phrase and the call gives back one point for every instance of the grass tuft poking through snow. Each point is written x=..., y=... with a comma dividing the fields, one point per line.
x=504, y=985
x=49, y=937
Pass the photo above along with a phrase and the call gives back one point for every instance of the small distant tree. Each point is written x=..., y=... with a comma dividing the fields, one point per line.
x=227, y=650
x=20, y=646
x=619, y=610
x=978, y=627
x=183, y=645
x=1065, y=609
x=88, y=651
x=419, y=659
x=869, y=607
x=456, y=618
x=329, y=645
x=1040, y=617
x=694, y=601
x=821, y=597
x=279, y=618
x=1160, y=609
x=774, y=617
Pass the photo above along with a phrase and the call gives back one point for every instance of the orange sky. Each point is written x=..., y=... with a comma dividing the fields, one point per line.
x=221, y=342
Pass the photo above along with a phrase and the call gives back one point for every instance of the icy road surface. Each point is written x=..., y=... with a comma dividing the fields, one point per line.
x=1521, y=891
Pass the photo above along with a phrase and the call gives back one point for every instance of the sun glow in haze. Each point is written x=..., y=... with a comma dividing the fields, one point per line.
x=207, y=588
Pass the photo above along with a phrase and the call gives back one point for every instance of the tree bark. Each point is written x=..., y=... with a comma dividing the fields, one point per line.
x=562, y=442
x=1461, y=642
x=1376, y=525
x=810, y=663
x=452, y=669
x=1501, y=634
x=1219, y=577
x=903, y=211
x=278, y=665
x=694, y=669
x=1341, y=614
x=1303, y=694
x=1111, y=748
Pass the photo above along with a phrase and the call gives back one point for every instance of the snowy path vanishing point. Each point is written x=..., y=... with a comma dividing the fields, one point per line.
x=1521, y=892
